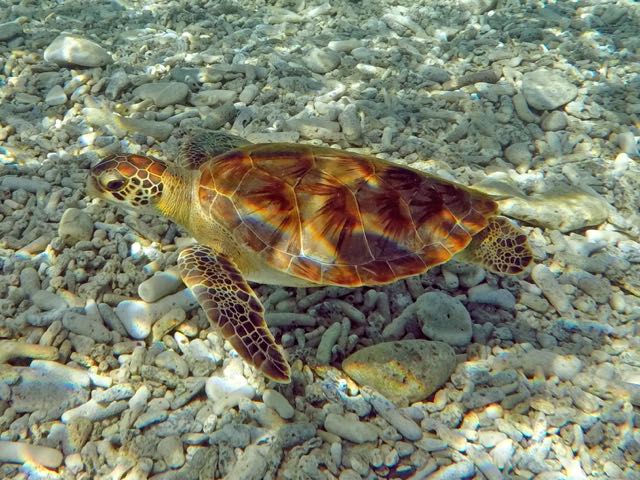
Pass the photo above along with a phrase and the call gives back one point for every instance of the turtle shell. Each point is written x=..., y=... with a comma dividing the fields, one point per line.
x=338, y=218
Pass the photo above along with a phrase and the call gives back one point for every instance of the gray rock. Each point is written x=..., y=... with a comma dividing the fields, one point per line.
x=212, y=97
x=163, y=93
x=405, y=371
x=320, y=60
x=477, y=7
x=443, y=318
x=598, y=288
x=150, y=128
x=565, y=367
x=278, y=402
x=117, y=83
x=248, y=94
x=345, y=45
x=434, y=74
x=84, y=325
x=56, y=96
x=75, y=225
x=78, y=433
x=9, y=31
x=555, y=121
x=518, y=155
x=350, y=428
x=547, y=90
x=46, y=300
x=552, y=290
x=407, y=427
x=292, y=434
x=13, y=182
x=75, y=50
x=170, y=449
x=489, y=295
x=350, y=123
x=628, y=144
x=328, y=340
x=42, y=389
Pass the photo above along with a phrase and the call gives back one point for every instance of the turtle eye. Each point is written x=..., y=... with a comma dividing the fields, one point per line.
x=114, y=185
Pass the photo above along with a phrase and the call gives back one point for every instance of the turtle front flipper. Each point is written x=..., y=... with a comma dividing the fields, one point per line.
x=500, y=247
x=202, y=145
x=230, y=304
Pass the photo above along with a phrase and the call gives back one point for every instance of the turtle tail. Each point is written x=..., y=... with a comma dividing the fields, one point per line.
x=501, y=248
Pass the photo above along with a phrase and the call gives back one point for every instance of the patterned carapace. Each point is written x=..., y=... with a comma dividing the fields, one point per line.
x=335, y=217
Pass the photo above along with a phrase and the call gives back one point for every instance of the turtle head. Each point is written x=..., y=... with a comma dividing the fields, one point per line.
x=133, y=181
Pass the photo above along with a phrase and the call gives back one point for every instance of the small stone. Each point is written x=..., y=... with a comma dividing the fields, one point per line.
x=552, y=290
x=444, y=318
x=534, y=302
x=456, y=471
x=489, y=295
x=434, y=74
x=56, y=96
x=45, y=388
x=117, y=83
x=503, y=452
x=518, y=155
x=75, y=50
x=150, y=128
x=163, y=93
x=10, y=30
x=94, y=411
x=46, y=300
x=170, y=449
x=350, y=428
x=74, y=463
x=173, y=362
x=139, y=317
x=167, y=323
x=78, y=433
x=431, y=444
x=84, y=325
x=75, y=226
x=212, y=97
x=405, y=371
x=547, y=90
x=554, y=121
x=248, y=94
x=406, y=427
x=628, y=144
x=350, y=123
x=292, y=434
x=328, y=340
x=278, y=402
x=159, y=286
x=565, y=367
x=490, y=438
x=320, y=60
x=228, y=389
x=19, y=452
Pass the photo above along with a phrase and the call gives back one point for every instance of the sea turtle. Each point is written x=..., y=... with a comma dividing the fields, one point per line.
x=303, y=216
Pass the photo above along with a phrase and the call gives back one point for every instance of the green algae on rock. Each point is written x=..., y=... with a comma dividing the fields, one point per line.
x=404, y=371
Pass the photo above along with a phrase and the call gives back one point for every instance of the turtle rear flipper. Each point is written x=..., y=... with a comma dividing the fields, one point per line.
x=202, y=145
x=501, y=248
x=232, y=306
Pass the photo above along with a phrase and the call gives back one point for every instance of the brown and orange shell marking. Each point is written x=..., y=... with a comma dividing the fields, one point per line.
x=336, y=217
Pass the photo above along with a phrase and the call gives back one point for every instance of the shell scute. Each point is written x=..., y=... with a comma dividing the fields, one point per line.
x=336, y=217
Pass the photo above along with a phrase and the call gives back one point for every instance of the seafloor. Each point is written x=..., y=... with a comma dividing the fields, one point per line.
x=106, y=374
